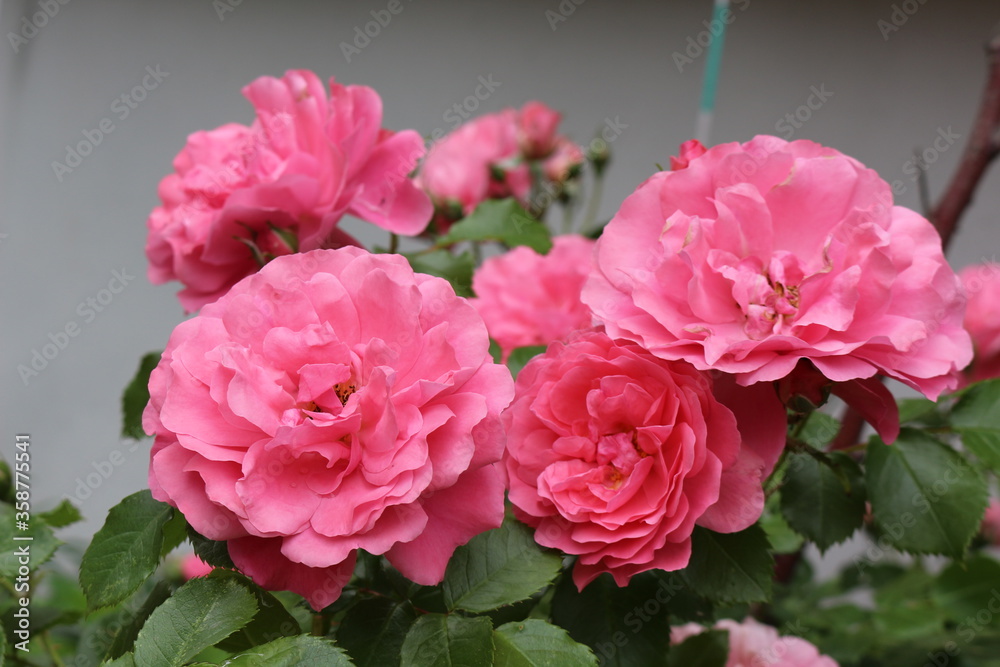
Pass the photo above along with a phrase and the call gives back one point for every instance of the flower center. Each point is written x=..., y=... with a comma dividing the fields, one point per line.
x=344, y=390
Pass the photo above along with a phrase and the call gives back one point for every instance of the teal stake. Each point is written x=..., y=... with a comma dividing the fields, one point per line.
x=711, y=80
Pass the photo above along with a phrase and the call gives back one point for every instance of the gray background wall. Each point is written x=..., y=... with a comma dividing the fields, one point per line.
x=62, y=239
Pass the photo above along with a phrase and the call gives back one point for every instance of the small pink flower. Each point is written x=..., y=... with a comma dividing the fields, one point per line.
x=331, y=402
x=307, y=160
x=753, y=644
x=536, y=130
x=565, y=160
x=192, y=566
x=756, y=256
x=991, y=522
x=614, y=455
x=531, y=299
x=982, y=319
x=689, y=150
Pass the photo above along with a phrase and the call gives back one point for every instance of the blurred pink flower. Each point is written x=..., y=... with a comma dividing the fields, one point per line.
x=753, y=644
x=991, y=522
x=307, y=160
x=565, y=160
x=536, y=130
x=331, y=402
x=756, y=256
x=614, y=455
x=192, y=566
x=531, y=299
x=982, y=319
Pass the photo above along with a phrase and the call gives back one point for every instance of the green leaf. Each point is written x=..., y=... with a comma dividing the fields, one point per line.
x=520, y=356
x=535, y=643
x=920, y=410
x=456, y=269
x=501, y=220
x=202, y=612
x=39, y=548
x=498, y=567
x=136, y=396
x=271, y=622
x=130, y=623
x=925, y=497
x=64, y=514
x=437, y=640
x=819, y=430
x=125, y=551
x=373, y=631
x=783, y=539
x=976, y=417
x=174, y=533
x=706, y=649
x=815, y=501
x=735, y=567
x=293, y=652
x=624, y=626
x=126, y=660
x=964, y=589
x=214, y=553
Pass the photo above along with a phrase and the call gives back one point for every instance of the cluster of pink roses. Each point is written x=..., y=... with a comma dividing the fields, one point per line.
x=334, y=400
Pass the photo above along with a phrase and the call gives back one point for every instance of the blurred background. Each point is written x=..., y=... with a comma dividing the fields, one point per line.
x=130, y=80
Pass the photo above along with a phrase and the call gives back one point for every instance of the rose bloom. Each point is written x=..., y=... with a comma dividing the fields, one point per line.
x=531, y=299
x=307, y=160
x=615, y=455
x=192, y=566
x=982, y=319
x=536, y=129
x=754, y=257
x=753, y=644
x=332, y=402
x=990, y=527
x=564, y=162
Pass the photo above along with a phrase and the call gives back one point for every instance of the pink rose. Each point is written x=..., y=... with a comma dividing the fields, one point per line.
x=334, y=401
x=756, y=256
x=536, y=130
x=982, y=319
x=564, y=162
x=531, y=299
x=753, y=644
x=991, y=522
x=614, y=455
x=192, y=566
x=305, y=162
x=478, y=161
x=689, y=150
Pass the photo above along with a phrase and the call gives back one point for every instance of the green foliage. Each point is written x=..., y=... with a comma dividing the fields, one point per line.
x=520, y=356
x=503, y=221
x=373, y=630
x=824, y=503
x=455, y=268
x=438, y=640
x=976, y=418
x=733, y=567
x=38, y=539
x=136, y=396
x=293, y=652
x=707, y=649
x=534, y=643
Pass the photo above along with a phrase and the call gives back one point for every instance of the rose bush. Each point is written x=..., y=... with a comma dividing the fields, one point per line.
x=530, y=299
x=332, y=402
x=281, y=184
x=614, y=455
x=752, y=257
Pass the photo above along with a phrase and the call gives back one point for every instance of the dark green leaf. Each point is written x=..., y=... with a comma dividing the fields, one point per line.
x=498, y=567
x=125, y=551
x=919, y=410
x=128, y=623
x=504, y=221
x=271, y=622
x=976, y=417
x=302, y=650
x=735, y=567
x=925, y=497
x=815, y=501
x=819, y=430
x=521, y=356
x=202, y=612
x=126, y=660
x=624, y=626
x=456, y=269
x=373, y=631
x=533, y=643
x=783, y=539
x=136, y=396
x=437, y=640
x=13, y=545
x=706, y=649
x=214, y=553
x=64, y=514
